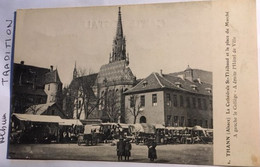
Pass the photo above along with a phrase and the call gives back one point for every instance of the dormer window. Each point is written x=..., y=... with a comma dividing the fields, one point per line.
x=194, y=87
x=209, y=90
x=178, y=84
x=198, y=81
x=145, y=83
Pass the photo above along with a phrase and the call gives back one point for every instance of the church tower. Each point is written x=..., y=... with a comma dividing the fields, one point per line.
x=115, y=78
x=53, y=86
x=75, y=74
x=119, y=43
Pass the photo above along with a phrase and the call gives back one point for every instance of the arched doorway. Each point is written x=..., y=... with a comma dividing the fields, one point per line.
x=142, y=119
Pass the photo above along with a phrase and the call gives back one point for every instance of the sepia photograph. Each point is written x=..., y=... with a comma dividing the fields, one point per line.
x=118, y=83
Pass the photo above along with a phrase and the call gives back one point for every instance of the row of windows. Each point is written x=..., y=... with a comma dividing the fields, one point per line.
x=202, y=123
x=133, y=100
x=177, y=121
x=180, y=121
x=191, y=102
x=200, y=103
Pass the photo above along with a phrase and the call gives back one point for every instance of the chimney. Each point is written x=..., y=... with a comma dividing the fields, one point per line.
x=22, y=62
x=161, y=72
x=51, y=68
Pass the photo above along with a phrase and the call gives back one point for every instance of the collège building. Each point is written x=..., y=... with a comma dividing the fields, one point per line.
x=177, y=99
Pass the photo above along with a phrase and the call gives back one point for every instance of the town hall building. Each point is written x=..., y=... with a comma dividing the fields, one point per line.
x=179, y=99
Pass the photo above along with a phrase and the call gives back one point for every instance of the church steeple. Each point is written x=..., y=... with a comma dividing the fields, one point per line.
x=119, y=45
x=119, y=30
x=75, y=73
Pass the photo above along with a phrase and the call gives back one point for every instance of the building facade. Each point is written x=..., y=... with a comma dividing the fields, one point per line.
x=34, y=85
x=181, y=100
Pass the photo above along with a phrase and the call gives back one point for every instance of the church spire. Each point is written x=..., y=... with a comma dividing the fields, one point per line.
x=75, y=73
x=119, y=45
x=119, y=31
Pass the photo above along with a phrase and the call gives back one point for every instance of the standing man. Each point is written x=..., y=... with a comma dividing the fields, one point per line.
x=128, y=148
x=120, y=148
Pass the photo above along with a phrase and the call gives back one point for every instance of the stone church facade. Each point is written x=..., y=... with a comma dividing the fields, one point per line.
x=109, y=84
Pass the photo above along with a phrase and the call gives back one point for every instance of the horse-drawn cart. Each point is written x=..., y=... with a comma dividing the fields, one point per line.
x=90, y=135
x=142, y=132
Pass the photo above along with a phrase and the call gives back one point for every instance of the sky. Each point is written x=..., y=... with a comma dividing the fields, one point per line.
x=166, y=36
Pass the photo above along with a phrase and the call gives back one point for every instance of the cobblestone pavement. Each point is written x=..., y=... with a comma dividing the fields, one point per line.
x=178, y=154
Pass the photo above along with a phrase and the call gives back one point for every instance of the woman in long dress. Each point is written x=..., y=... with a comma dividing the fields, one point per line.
x=152, y=151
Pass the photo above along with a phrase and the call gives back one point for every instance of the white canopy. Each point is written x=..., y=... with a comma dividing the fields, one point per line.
x=198, y=128
x=175, y=128
x=143, y=127
x=70, y=122
x=39, y=118
x=125, y=126
x=89, y=128
x=159, y=126
x=47, y=119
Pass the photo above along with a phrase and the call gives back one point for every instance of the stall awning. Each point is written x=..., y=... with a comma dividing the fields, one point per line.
x=136, y=128
x=38, y=118
x=159, y=126
x=148, y=128
x=47, y=119
x=143, y=127
x=124, y=126
x=70, y=122
x=198, y=128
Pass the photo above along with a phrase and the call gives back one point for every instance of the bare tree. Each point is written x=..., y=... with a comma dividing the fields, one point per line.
x=82, y=97
x=89, y=102
x=135, y=107
x=68, y=102
x=112, y=105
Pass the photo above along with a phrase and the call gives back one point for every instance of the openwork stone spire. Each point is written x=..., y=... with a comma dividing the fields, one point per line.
x=75, y=73
x=119, y=45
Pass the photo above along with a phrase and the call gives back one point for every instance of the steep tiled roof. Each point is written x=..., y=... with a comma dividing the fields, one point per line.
x=200, y=88
x=156, y=82
x=26, y=74
x=115, y=72
x=86, y=82
x=52, y=77
x=151, y=83
x=205, y=76
x=29, y=75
